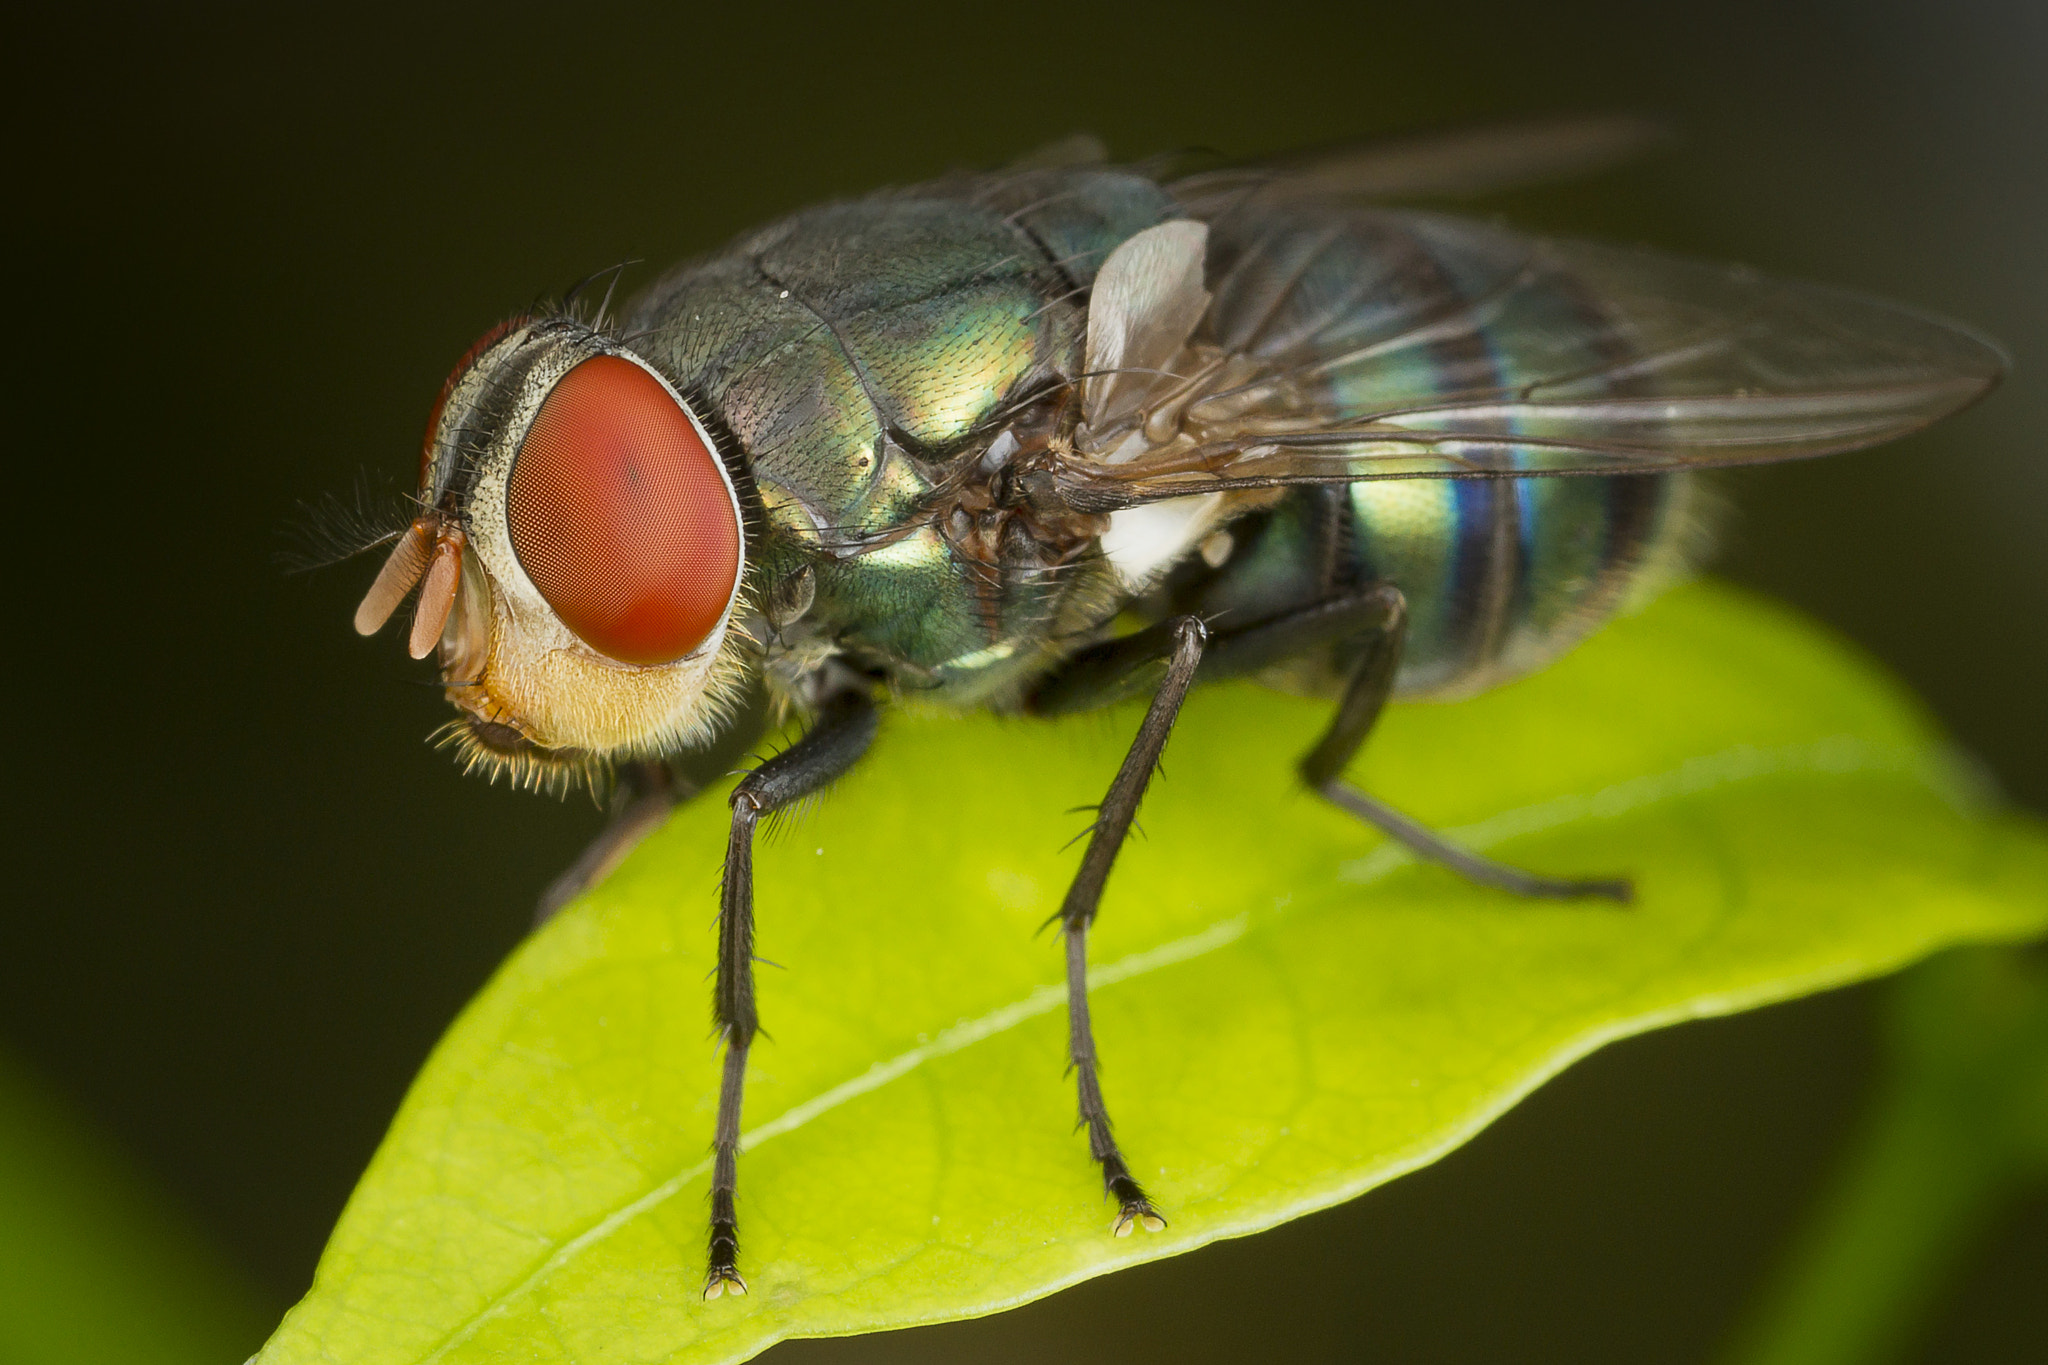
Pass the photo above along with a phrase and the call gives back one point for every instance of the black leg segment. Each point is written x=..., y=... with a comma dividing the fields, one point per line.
x=1432, y=847
x=1365, y=696
x=841, y=734
x=1112, y=824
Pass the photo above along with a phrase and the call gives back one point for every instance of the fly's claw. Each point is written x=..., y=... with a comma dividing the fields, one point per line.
x=1136, y=1210
x=723, y=1279
x=1139, y=1214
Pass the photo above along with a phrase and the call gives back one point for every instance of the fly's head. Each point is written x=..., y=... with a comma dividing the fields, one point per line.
x=579, y=551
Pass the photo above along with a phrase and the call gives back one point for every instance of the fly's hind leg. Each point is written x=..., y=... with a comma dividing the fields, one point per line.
x=1379, y=617
x=1169, y=657
x=844, y=727
x=1099, y=676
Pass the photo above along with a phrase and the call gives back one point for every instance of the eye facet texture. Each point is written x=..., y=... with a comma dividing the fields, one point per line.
x=621, y=517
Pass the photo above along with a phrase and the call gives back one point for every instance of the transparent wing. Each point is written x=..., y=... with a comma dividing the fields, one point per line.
x=1075, y=149
x=1443, y=163
x=1353, y=345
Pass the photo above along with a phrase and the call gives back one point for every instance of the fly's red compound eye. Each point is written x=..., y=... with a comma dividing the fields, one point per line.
x=621, y=516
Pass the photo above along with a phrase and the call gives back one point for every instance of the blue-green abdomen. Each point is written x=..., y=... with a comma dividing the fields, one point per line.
x=1500, y=575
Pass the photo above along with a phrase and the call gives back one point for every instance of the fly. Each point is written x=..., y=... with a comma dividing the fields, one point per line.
x=1048, y=438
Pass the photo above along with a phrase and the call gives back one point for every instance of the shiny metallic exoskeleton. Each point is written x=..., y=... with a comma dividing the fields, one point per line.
x=1047, y=438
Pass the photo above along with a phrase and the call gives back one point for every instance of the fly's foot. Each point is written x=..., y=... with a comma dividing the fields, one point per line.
x=724, y=1276
x=723, y=1279
x=1136, y=1210
x=1138, y=1213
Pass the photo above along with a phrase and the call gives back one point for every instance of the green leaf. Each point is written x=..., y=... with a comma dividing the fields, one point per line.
x=1290, y=1011
x=95, y=1267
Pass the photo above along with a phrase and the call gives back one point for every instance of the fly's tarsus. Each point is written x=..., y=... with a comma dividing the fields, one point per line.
x=722, y=1275
x=1431, y=847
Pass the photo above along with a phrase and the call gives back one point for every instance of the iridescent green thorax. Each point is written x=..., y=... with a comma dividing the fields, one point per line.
x=856, y=352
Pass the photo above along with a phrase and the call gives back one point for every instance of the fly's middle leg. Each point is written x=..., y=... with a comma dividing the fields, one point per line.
x=844, y=727
x=1184, y=638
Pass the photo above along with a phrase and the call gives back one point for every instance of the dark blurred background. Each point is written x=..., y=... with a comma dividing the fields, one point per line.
x=251, y=244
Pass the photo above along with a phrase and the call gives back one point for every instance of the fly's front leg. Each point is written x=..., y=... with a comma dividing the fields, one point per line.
x=647, y=792
x=1184, y=638
x=1380, y=616
x=844, y=727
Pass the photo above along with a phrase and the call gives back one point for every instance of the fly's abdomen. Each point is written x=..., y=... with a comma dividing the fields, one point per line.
x=1501, y=575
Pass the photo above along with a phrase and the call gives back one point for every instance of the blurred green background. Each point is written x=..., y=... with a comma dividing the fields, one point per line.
x=247, y=899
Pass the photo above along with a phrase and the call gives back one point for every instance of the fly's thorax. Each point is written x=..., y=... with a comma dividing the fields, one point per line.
x=594, y=550
x=878, y=361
